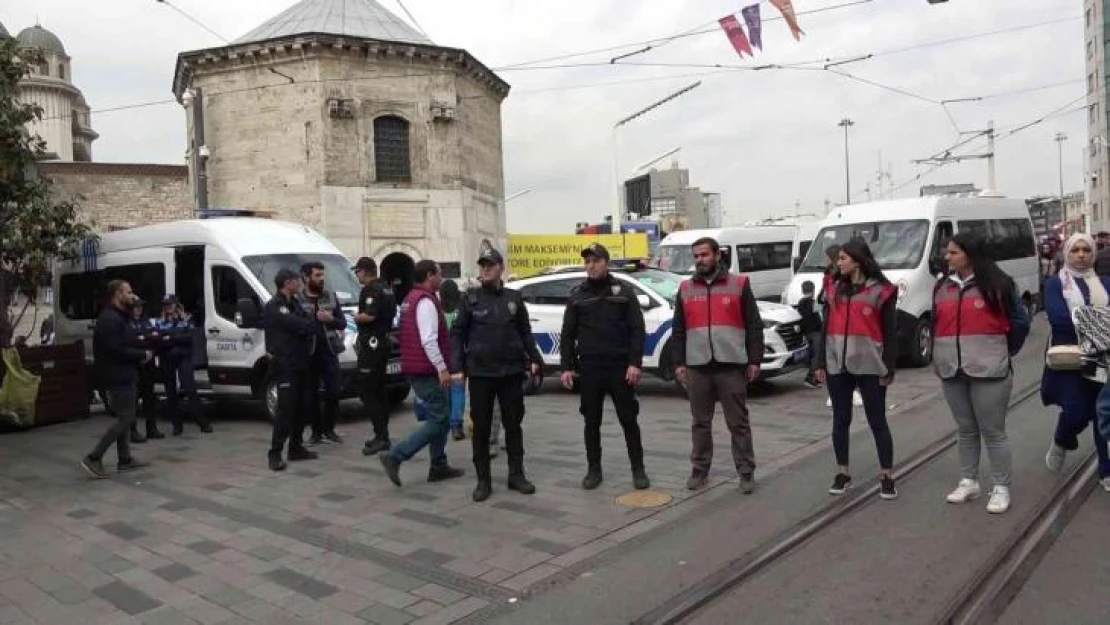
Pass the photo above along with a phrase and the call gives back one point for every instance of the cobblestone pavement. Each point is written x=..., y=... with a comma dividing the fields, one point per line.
x=207, y=534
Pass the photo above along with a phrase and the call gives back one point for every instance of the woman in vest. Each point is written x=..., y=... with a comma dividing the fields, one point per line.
x=859, y=351
x=1075, y=392
x=978, y=323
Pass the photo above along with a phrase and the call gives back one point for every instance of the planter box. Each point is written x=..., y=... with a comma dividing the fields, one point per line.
x=63, y=392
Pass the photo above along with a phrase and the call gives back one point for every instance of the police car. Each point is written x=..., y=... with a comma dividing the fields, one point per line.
x=547, y=294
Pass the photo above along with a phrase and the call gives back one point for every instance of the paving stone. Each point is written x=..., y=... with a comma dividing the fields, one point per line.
x=306, y=473
x=126, y=598
x=400, y=581
x=70, y=594
x=453, y=613
x=300, y=583
x=547, y=546
x=174, y=572
x=309, y=523
x=114, y=564
x=228, y=597
x=166, y=615
x=81, y=513
x=268, y=553
x=384, y=615
x=337, y=497
x=426, y=518
x=218, y=487
x=523, y=508
x=421, y=497
x=424, y=608
x=431, y=557
x=122, y=530
x=206, y=547
x=439, y=594
x=173, y=506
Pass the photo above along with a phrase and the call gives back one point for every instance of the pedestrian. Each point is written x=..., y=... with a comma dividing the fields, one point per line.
x=291, y=342
x=425, y=354
x=716, y=357
x=603, y=342
x=449, y=297
x=979, y=323
x=323, y=369
x=1075, y=392
x=490, y=339
x=1102, y=256
x=147, y=404
x=376, y=310
x=858, y=350
x=811, y=327
x=117, y=355
x=175, y=334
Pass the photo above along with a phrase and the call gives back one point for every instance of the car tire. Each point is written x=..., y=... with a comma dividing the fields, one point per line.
x=921, y=353
x=398, y=395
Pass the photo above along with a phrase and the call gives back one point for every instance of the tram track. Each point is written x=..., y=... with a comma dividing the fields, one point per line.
x=685, y=606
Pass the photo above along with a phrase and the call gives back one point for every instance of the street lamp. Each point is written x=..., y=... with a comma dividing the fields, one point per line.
x=617, y=216
x=846, y=124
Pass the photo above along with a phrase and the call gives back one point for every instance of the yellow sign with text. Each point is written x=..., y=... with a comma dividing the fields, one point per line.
x=530, y=254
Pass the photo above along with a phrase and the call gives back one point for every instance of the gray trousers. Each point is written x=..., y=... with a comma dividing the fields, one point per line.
x=979, y=407
x=729, y=386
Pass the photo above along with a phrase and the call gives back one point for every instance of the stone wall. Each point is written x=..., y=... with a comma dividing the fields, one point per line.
x=120, y=195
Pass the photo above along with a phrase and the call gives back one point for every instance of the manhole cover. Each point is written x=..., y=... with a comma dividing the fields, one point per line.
x=644, y=499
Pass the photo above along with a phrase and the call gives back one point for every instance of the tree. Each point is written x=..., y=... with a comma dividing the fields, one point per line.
x=34, y=228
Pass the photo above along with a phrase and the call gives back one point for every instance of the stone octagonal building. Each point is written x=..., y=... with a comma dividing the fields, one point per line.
x=337, y=114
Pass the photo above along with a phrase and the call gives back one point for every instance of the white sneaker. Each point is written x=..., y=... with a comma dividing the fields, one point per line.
x=857, y=401
x=1105, y=484
x=966, y=491
x=999, y=501
x=1055, y=457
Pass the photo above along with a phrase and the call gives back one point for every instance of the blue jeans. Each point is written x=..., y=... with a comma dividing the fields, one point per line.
x=1077, y=411
x=458, y=402
x=1102, y=413
x=433, y=407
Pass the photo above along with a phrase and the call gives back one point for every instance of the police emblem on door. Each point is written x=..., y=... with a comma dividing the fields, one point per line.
x=512, y=308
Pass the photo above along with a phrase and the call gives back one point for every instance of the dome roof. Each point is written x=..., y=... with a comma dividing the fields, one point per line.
x=41, y=39
x=3, y=31
x=355, y=18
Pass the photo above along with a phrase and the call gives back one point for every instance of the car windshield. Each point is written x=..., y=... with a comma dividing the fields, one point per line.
x=676, y=258
x=664, y=283
x=895, y=244
x=338, y=276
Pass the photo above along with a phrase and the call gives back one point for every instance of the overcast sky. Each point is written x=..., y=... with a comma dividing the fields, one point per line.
x=767, y=140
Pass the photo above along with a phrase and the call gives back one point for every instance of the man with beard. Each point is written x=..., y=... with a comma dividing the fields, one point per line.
x=603, y=341
x=322, y=305
x=376, y=310
x=490, y=340
x=717, y=338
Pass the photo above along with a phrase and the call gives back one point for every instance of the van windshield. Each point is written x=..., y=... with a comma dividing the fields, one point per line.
x=895, y=244
x=337, y=270
x=676, y=258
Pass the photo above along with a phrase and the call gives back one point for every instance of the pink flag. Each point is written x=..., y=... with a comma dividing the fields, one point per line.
x=736, y=35
x=787, y=10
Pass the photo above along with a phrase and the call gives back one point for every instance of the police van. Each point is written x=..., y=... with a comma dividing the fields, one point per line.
x=786, y=348
x=222, y=271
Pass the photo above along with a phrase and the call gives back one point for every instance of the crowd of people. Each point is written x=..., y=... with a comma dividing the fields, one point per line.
x=477, y=345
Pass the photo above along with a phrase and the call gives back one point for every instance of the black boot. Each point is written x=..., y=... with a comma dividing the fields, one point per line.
x=484, y=488
x=517, y=481
x=640, y=479
x=136, y=436
x=593, y=478
x=152, y=431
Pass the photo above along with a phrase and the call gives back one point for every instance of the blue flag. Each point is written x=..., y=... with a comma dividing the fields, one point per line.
x=755, y=25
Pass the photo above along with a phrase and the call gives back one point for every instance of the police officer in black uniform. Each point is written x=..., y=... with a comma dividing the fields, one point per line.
x=291, y=341
x=147, y=337
x=376, y=311
x=603, y=340
x=491, y=340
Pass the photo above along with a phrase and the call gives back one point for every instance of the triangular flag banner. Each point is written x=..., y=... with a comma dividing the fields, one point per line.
x=755, y=25
x=736, y=35
x=787, y=10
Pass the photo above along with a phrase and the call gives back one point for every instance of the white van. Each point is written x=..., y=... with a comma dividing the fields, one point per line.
x=803, y=239
x=762, y=253
x=222, y=271
x=908, y=237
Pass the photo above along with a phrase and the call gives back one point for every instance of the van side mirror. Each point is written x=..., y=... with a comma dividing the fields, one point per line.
x=247, y=314
x=645, y=301
x=796, y=263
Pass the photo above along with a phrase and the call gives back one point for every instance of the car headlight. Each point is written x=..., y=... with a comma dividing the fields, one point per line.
x=770, y=325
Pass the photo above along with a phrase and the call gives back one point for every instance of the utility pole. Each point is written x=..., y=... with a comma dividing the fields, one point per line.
x=846, y=124
x=1060, y=139
x=947, y=157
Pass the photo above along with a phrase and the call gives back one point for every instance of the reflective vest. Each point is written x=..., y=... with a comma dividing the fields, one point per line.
x=414, y=362
x=968, y=335
x=854, y=330
x=714, y=316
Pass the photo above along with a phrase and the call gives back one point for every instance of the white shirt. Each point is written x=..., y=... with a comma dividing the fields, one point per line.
x=427, y=323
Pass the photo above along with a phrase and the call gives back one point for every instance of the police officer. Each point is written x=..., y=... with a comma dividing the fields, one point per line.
x=291, y=341
x=146, y=336
x=490, y=340
x=603, y=339
x=175, y=332
x=376, y=311
x=322, y=304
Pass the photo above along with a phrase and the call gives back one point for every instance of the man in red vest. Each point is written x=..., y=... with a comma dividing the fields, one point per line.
x=717, y=338
x=424, y=360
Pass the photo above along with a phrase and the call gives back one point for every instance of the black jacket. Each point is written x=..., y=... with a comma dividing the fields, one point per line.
x=491, y=336
x=117, y=351
x=602, y=325
x=328, y=335
x=291, y=335
x=376, y=301
x=811, y=319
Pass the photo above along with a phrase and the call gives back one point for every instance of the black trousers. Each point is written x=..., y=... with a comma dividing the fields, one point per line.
x=594, y=384
x=289, y=424
x=508, y=391
x=323, y=368
x=121, y=401
x=147, y=400
x=373, y=358
x=177, y=368
x=873, y=394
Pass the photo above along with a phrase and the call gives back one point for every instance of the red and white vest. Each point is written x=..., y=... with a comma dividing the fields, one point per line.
x=714, y=316
x=854, y=330
x=968, y=336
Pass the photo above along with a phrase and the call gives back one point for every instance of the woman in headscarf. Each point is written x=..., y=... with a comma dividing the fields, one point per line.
x=1075, y=392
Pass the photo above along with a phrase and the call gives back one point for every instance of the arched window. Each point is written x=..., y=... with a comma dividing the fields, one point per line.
x=61, y=71
x=391, y=149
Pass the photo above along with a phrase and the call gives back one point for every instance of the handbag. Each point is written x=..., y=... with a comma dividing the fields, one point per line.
x=1092, y=326
x=1064, y=358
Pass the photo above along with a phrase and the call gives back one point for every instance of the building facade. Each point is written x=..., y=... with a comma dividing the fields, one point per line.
x=66, y=124
x=1096, y=15
x=665, y=196
x=337, y=114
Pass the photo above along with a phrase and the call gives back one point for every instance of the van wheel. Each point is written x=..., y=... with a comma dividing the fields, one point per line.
x=922, y=353
x=270, y=401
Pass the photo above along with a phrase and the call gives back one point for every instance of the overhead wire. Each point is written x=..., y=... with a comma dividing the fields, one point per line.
x=194, y=20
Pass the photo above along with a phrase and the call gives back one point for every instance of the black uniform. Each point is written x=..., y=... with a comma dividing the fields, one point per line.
x=291, y=340
x=603, y=334
x=148, y=373
x=373, y=347
x=491, y=343
x=324, y=366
